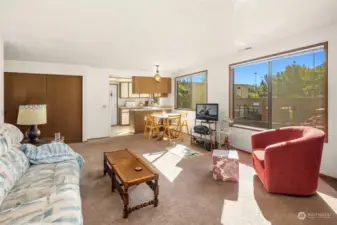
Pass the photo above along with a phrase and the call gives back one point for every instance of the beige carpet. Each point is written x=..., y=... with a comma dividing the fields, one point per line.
x=189, y=195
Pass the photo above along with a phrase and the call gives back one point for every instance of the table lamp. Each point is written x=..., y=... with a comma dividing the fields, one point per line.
x=32, y=115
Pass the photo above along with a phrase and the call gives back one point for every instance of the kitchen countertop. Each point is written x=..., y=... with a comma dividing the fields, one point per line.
x=126, y=107
x=149, y=109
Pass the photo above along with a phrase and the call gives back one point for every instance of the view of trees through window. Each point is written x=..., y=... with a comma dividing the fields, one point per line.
x=191, y=90
x=281, y=91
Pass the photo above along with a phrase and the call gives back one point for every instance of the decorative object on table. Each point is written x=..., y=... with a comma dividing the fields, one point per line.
x=157, y=76
x=120, y=167
x=183, y=152
x=287, y=160
x=225, y=165
x=57, y=136
x=156, y=100
x=32, y=115
x=138, y=168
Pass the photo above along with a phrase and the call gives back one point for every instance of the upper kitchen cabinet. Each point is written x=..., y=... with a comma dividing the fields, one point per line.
x=148, y=85
x=124, y=90
x=132, y=95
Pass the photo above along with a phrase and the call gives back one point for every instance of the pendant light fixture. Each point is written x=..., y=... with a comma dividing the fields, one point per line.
x=157, y=76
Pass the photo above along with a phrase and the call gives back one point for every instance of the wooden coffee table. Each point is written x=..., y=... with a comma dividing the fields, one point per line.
x=121, y=166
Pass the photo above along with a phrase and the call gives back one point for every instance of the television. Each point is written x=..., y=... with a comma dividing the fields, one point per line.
x=208, y=112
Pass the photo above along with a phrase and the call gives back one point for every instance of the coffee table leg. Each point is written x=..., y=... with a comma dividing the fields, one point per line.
x=126, y=202
x=156, y=193
x=113, y=181
x=104, y=168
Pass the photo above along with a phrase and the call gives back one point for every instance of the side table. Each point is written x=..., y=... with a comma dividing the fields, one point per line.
x=225, y=165
x=42, y=141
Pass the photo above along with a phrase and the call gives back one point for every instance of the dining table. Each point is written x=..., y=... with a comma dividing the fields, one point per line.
x=161, y=117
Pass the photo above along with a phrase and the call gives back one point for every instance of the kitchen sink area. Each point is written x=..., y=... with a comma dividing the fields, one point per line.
x=135, y=98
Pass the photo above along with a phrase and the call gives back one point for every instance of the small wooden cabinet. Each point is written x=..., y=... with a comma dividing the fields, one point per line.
x=148, y=85
x=124, y=115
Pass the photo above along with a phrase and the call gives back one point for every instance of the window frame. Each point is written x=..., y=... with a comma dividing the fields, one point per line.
x=266, y=57
x=175, y=88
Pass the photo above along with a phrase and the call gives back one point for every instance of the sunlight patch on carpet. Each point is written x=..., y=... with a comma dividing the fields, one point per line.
x=166, y=163
x=244, y=211
x=183, y=152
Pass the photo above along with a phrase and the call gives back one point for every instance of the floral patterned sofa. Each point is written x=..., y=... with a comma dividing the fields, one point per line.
x=36, y=194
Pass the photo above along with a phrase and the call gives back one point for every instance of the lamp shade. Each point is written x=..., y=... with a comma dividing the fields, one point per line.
x=32, y=114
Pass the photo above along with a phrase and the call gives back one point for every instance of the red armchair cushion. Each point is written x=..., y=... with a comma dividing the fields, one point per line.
x=259, y=154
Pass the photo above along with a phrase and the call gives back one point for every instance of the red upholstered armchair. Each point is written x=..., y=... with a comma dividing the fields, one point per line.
x=287, y=160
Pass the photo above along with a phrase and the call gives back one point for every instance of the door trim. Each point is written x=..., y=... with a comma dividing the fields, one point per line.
x=117, y=119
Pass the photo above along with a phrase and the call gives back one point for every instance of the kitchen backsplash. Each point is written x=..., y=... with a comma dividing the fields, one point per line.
x=121, y=101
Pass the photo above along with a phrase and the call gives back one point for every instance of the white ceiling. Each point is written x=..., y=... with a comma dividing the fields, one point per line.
x=137, y=34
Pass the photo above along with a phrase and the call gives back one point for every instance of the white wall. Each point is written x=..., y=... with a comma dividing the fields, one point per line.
x=96, y=120
x=96, y=109
x=218, y=86
x=1, y=81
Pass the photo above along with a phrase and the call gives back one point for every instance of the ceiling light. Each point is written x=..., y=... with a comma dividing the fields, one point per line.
x=157, y=76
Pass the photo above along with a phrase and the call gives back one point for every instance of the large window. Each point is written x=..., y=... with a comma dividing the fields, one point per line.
x=284, y=89
x=190, y=90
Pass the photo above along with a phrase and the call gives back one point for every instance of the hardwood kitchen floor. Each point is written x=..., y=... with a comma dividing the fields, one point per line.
x=117, y=131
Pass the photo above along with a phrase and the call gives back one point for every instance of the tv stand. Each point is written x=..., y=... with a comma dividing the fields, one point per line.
x=207, y=141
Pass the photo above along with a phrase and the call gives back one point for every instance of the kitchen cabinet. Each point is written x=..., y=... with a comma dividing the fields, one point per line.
x=144, y=95
x=137, y=118
x=124, y=90
x=148, y=85
x=124, y=116
x=132, y=95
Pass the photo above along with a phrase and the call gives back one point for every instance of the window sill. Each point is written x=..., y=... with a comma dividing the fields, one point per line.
x=248, y=127
x=181, y=109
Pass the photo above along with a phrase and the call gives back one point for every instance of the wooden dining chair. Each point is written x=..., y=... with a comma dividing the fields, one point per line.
x=172, y=127
x=151, y=125
x=184, y=123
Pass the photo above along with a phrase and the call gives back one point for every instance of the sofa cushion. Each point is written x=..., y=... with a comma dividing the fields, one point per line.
x=14, y=134
x=259, y=154
x=62, y=206
x=42, y=180
x=13, y=164
x=5, y=142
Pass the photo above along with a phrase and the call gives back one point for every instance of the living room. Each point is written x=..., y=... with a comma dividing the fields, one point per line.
x=97, y=41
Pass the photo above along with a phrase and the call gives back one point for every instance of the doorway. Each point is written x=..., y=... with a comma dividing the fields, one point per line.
x=114, y=104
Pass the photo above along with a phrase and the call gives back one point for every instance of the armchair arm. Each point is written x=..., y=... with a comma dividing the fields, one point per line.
x=262, y=139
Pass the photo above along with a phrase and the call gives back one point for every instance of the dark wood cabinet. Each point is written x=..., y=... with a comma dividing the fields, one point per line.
x=148, y=85
x=62, y=94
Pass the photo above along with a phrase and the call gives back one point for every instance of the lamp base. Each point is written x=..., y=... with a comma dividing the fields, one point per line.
x=33, y=134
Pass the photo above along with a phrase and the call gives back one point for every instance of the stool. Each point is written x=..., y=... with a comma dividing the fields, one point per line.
x=225, y=165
